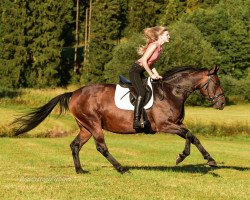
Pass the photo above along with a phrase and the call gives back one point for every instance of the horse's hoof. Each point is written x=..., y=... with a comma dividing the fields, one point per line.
x=123, y=170
x=212, y=163
x=179, y=159
x=81, y=171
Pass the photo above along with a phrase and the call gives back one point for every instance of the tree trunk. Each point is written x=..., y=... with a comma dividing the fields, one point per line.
x=86, y=37
x=76, y=37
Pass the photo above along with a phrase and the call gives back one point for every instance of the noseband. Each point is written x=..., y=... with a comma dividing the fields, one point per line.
x=215, y=98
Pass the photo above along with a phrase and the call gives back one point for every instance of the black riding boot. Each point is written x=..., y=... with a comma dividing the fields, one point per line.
x=137, y=112
x=146, y=123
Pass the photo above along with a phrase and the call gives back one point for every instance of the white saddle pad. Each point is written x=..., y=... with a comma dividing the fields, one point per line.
x=122, y=100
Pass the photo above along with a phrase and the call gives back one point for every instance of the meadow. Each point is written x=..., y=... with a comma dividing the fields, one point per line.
x=36, y=167
x=42, y=168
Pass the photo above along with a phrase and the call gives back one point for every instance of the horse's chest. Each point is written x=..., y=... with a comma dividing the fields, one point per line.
x=169, y=114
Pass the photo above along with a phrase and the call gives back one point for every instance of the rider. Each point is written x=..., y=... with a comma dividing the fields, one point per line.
x=155, y=37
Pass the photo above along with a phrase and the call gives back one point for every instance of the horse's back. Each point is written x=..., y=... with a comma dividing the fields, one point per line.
x=92, y=95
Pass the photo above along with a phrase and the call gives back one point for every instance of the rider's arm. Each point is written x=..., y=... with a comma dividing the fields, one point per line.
x=150, y=50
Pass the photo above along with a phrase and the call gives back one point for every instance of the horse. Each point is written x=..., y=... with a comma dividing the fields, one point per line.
x=94, y=110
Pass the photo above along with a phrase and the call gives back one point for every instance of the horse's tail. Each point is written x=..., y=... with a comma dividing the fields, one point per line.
x=31, y=120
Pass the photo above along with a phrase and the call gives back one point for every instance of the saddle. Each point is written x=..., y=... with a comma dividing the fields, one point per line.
x=125, y=83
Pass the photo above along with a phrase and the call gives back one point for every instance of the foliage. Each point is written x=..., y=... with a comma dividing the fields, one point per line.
x=187, y=47
x=237, y=87
x=32, y=38
x=123, y=56
x=104, y=36
x=172, y=12
x=14, y=52
x=226, y=26
x=37, y=43
x=142, y=14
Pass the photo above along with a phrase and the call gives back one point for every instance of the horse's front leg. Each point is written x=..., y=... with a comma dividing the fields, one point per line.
x=190, y=138
x=186, y=134
x=186, y=151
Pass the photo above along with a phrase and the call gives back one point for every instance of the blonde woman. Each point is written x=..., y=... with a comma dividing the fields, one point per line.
x=156, y=37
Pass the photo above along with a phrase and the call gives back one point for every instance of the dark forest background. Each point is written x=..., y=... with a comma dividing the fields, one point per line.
x=38, y=40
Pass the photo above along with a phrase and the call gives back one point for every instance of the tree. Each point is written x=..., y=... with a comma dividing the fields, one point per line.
x=14, y=50
x=187, y=47
x=142, y=14
x=226, y=26
x=49, y=19
x=32, y=39
x=172, y=12
x=105, y=32
x=123, y=56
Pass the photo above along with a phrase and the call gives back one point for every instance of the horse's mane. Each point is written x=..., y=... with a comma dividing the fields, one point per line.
x=172, y=73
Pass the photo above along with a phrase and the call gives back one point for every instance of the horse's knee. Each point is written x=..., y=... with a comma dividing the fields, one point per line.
x=75, y=147
x=102, y=150
x=195, y=141
x=187, y=153
x=191, y=137
x=98, y=148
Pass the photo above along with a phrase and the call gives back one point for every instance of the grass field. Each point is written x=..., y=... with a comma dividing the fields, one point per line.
x=42, y=168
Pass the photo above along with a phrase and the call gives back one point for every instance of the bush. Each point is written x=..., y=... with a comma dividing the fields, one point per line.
x=124, y=55
x=187, y=47
x=237, y=90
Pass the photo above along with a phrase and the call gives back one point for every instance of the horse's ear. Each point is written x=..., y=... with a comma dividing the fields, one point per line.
x=214, y=70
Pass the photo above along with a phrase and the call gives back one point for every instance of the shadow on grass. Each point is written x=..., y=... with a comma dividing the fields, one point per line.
x=192, y=169
x=199, y=169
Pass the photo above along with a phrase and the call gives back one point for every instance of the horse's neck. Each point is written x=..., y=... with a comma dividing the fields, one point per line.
x=190, y=81
x=185, y=84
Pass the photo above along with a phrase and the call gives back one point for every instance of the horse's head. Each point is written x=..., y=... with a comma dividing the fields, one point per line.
x=211, y=89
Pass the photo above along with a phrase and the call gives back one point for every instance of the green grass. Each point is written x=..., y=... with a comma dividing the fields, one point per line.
x=42, y=168
x=233, y=120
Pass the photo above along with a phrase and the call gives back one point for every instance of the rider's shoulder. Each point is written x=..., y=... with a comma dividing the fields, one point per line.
x=152, y=45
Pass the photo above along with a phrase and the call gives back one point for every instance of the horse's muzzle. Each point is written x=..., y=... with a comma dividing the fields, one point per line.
x=220, y=103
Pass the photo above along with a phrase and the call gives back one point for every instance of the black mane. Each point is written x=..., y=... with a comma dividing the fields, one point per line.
x=177, y=70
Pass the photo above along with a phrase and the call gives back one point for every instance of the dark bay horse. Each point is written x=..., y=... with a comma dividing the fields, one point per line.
x=94, y=109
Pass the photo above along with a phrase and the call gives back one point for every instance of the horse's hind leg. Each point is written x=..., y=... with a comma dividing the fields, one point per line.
x=102, y=148
x=76, y=146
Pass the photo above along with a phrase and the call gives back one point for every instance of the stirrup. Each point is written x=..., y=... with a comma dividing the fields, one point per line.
x=142, y=125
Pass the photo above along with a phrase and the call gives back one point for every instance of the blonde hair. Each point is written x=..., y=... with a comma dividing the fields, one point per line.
x=151, y=34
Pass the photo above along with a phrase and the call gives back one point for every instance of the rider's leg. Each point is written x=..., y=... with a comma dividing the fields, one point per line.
x=135, y=75
x=138, y=112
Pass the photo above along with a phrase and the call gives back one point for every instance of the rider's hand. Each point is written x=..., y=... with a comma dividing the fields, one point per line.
x=154, y=77
x=159, y=77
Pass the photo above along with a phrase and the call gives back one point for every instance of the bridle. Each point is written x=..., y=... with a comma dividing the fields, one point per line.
x=215, y=98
